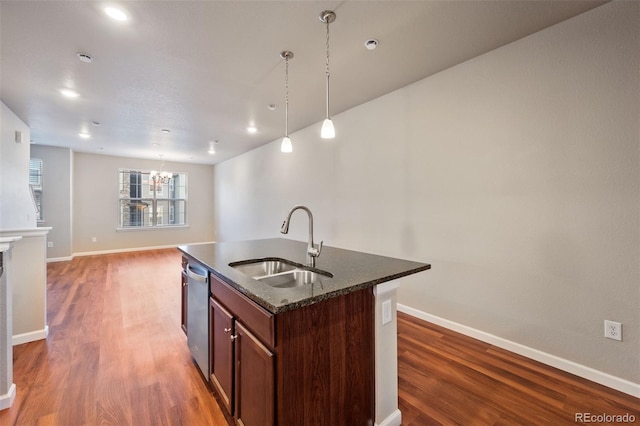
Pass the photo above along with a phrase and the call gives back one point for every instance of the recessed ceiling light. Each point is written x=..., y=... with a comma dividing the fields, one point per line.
x=84, y=57
x=116, y=14
x=252, y=129
x=212, y=149
x=371, y=44
x=165, y=131
x=271, y=107
x=84, y=135
x=69, y=93
x=95, y=123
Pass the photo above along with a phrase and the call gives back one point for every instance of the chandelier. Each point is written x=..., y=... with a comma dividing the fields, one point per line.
x=161, y=177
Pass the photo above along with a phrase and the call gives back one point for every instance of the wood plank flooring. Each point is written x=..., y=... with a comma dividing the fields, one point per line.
x=116, y=355
x=450, y=379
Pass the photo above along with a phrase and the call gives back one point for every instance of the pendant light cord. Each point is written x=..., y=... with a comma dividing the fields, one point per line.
x=286, y=96
x=327, y=68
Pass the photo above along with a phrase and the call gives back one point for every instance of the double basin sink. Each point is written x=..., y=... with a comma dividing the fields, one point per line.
x=280, y=273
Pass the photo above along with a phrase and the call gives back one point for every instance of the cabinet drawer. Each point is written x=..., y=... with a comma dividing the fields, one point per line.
x=254, y=317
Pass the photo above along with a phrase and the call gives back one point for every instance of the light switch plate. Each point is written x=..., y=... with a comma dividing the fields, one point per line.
x=386, y=312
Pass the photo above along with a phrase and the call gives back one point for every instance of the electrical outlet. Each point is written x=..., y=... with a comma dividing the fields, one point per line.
x=94, y=240
x=49, y=244
x=612, y=330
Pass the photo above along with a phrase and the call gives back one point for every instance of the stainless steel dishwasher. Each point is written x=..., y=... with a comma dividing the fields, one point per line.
x=198, y=316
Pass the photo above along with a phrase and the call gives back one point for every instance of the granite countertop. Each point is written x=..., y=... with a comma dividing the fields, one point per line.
x=352, y=270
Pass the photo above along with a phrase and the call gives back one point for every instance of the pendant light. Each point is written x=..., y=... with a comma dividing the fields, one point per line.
x=327, y=131
x=286, y=146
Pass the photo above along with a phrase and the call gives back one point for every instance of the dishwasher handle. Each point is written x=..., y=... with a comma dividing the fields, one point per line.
x=194, y=274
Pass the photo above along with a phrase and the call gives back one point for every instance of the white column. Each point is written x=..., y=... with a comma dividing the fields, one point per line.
x=386, y=357
x=7, y=387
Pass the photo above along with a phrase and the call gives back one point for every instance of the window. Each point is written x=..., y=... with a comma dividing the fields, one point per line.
x=149, y=199
x=35, y=184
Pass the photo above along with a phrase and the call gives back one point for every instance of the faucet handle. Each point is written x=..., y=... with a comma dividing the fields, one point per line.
x=314, y=251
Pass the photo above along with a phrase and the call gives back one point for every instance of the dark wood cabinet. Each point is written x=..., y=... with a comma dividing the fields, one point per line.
x=255, y=386
x=308, y=366
x=185, y=283
x=325, y=362
x=242, y=366
x=222, y=361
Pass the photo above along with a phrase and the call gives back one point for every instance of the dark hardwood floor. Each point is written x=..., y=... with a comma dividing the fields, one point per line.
x=450, y=379
x=116, y=355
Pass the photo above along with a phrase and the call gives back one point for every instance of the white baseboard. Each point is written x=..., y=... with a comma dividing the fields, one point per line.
x=127, y=250
x=120, y=250
x=32, y=336
x=394, y=419
x=59, y=259
x=7, y=399
x=585, y=372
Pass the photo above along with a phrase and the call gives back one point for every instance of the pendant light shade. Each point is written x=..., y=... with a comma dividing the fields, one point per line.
x=327, y=131
x=285, y=145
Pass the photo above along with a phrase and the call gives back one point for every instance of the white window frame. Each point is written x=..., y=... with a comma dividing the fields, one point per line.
x=149, y=199
x=36, y=188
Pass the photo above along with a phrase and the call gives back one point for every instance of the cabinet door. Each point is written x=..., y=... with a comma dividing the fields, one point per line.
x=221, y=362
x=255, y=386
x=183, y=311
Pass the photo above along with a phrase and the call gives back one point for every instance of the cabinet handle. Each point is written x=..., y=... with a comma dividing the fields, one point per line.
x=195, y=275
x=226, y=330
x=234, y=337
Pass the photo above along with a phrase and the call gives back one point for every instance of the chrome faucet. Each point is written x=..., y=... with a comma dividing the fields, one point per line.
x=312, y=250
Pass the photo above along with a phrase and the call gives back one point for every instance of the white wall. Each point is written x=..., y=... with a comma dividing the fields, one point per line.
x=515, y=174
x=96, y=208
x=18, y=218
x=56, y=197
x=17, y=210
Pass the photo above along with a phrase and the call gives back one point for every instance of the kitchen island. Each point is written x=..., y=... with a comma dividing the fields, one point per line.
x=316, y=353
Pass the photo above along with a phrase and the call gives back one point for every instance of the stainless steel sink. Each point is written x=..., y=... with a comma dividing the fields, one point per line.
x=263, y=268
x=295, y=278
x=281, y=273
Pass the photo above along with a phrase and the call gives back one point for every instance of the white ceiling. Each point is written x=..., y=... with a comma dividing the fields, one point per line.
x=205, y=70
